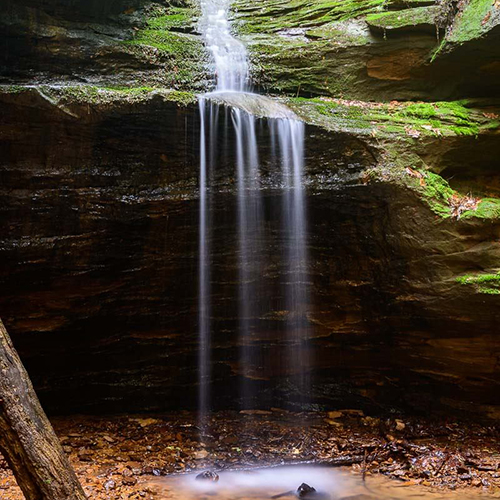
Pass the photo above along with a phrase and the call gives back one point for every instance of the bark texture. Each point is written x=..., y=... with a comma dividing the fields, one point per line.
x=27, y=439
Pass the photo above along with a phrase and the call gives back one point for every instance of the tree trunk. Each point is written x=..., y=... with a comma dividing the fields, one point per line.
x=27, y=440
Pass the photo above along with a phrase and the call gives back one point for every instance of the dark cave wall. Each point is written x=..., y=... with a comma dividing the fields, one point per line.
x=99, y=263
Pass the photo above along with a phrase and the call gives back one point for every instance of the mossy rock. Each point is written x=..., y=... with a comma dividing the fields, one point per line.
x=419, y=18
x=389, y=120
x=168, y=39
x=488, y=208
x=64, y=97
x=272, y=16
x=402, y=133
x=118, y=95
x=476, y=19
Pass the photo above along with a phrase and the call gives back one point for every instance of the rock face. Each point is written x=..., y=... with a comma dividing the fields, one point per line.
x=99, y=263
x=120, y=42
x=374, y=50
x=99, y=207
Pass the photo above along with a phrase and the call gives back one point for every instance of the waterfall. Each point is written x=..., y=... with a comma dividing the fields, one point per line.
x=229, y=54
x=231, y=73
x=290, y=135
x=204, y=279
x=250, y=220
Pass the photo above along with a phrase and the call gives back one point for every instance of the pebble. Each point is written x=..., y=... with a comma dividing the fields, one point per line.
x=109, y=485
x=201, y=454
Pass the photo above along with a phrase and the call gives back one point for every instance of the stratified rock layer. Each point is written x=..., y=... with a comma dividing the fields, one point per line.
x=99, y=259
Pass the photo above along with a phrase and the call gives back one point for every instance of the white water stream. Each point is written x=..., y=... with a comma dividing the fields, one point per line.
x=232, y=77
x=229, y=54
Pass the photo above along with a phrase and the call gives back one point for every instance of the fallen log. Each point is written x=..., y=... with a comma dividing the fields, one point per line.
x=27, y=439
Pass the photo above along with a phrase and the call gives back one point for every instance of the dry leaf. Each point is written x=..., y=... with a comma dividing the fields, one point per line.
x=414, y=173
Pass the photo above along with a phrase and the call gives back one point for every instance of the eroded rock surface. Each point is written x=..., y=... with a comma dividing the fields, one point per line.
x=99, y=257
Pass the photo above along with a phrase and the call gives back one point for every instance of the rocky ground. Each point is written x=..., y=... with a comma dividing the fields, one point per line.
x=123, y=457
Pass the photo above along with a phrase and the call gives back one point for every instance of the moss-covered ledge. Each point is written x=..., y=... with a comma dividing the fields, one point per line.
x=141, y=42
x=402, y=133
x=399, y=134
x=435, y=192
x=117, y=94
x=96, y=98
x=477, y=22
x=418, y=18
x=395, y=119
x=271, y=16
x=354, y=49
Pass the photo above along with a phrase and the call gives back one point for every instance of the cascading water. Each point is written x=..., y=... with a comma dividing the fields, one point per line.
x=231, y=71
x=229, y=54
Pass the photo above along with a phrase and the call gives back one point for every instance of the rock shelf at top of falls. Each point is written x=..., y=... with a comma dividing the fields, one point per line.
x=257, y=105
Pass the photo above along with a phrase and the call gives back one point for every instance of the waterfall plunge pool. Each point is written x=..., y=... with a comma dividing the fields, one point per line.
x=282, y=482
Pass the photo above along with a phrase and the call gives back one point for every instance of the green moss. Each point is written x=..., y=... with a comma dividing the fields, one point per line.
x=182, y=55
x=456, y=108
x=420, y=110
x=169, y=43
x=482, y=283
x=174, y=18
x=438, y=193
x=393, y=20
x=492, y=125
x=77, y=94
x=479, y=279
x=488, y=208
x=181, y=97
x=89, y=94
x=465, y=130
x=472, y=22
x=268, y=16
x=490, y=291
x=12, y=89
x=438, y=50
x=129, y=90
x=402, y=119
x=453, y=116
